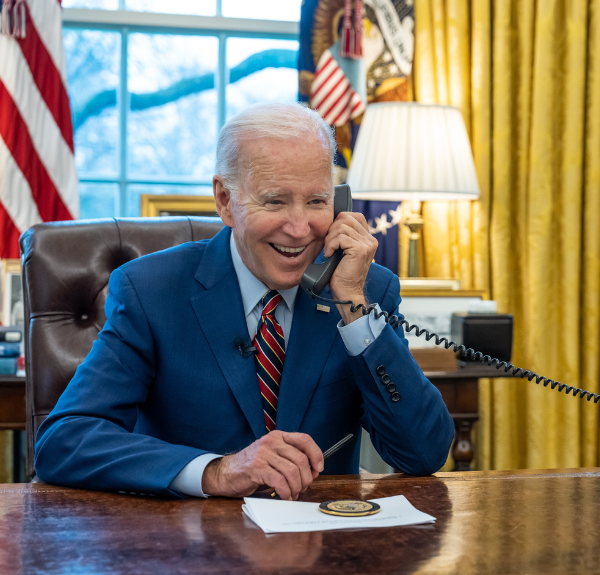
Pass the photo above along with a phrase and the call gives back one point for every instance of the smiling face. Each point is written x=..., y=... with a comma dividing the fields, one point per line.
x=283, y=210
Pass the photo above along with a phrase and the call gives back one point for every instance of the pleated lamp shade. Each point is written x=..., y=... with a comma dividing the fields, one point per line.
x=407, y=150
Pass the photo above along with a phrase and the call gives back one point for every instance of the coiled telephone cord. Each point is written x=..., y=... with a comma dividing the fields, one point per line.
x=467, y=352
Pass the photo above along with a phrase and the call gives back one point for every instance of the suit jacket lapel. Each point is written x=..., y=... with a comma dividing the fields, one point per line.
x=220, y=313
x=311, y=338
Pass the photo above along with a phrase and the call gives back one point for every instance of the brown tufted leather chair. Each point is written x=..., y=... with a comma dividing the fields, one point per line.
x=66, y=266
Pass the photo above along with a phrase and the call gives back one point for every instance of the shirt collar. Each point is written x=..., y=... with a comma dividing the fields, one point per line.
x=251, y=287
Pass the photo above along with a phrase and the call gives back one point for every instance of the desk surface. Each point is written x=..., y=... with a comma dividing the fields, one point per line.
x=487, y=522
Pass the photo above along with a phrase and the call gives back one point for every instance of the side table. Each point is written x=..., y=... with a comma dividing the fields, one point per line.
x=12, y=414
x=459, y=389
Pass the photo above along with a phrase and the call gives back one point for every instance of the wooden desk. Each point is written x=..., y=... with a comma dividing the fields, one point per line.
x=487, y=522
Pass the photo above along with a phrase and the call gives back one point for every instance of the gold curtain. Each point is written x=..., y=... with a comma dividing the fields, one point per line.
x=526, y=75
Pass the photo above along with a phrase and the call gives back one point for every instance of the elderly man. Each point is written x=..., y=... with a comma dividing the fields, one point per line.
x=166, y=403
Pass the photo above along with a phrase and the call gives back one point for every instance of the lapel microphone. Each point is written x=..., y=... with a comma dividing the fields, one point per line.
x=246, y=350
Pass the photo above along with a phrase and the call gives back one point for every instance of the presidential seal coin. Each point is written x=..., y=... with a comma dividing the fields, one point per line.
x=349, y=507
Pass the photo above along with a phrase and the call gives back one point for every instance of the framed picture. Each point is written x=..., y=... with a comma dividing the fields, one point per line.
x=164, y=205
x=432, y=310
x=12, y=294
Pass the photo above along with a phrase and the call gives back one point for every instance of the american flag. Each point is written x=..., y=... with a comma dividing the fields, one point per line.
x=331, y=93
x=38, y=180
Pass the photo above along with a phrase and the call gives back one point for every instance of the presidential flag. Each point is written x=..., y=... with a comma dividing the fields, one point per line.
x=38, y=180
x=352, y=53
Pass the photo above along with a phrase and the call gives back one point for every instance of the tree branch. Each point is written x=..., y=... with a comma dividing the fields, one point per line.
x=255, y=63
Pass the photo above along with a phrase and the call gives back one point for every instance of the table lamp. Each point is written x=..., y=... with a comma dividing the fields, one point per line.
x=416, y=152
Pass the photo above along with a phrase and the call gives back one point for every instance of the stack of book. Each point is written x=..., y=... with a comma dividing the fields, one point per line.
x=10, y=349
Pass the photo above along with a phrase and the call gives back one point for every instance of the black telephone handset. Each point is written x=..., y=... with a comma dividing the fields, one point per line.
x=317, y=276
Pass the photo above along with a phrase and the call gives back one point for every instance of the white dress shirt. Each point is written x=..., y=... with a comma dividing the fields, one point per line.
x=356, y=336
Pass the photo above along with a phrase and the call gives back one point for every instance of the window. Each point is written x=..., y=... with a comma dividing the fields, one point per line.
x=150, y=91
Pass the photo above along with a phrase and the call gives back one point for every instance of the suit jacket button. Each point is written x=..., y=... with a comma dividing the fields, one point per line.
x=380, y=370
x=390, y=387
x=385, y=379
x=395, y=396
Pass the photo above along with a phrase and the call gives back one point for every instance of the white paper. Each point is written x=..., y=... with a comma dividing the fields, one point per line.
x=296, y=516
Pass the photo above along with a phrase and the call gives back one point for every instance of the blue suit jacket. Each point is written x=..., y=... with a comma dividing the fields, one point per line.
x=165, y=383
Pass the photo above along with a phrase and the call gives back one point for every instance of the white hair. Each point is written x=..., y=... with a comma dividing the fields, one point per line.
x=274, y=121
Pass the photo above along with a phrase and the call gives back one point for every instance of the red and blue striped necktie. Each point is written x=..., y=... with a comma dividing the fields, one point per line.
x=270, y=343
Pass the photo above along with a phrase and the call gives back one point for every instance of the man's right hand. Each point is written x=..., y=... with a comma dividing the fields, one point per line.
x=279, y=460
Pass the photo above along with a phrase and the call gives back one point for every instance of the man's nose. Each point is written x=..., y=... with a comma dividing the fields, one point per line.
x=297, y=224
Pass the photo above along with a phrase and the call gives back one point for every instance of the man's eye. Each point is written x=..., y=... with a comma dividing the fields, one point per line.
x=317, y=201
x=274, y=202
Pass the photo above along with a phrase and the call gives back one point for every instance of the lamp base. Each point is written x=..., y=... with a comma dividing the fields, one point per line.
x=414, y=223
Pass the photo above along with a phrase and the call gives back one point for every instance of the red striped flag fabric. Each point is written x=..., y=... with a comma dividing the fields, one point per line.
x=332, y=95
x=38, y=179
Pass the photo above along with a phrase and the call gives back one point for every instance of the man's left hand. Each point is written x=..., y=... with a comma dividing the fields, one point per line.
x=350, y=232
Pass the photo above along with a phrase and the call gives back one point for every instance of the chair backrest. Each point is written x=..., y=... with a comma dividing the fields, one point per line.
x=66, y=266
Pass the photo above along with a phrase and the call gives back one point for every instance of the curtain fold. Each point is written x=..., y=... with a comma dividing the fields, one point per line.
x=588, y=353
x=526, y=75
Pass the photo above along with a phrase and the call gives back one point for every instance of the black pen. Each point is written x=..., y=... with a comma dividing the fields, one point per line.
x=338, y=445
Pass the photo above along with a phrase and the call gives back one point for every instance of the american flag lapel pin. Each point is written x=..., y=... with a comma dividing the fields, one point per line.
x=321, y=307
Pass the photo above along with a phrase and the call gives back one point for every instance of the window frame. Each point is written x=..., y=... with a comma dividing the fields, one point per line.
x=125, y=22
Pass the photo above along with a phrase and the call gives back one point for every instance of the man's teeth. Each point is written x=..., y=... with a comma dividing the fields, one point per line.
x=289, y=250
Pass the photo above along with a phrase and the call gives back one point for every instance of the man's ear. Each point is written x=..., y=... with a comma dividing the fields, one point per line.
x=223, y=201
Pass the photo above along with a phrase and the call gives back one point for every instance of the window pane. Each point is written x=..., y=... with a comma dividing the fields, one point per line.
x=105, y=4
x=263, y=9
x=172, y=126
x=93, y=75
x=98, y=200
x=277, y=81
x=134, y=192
x=196, y=7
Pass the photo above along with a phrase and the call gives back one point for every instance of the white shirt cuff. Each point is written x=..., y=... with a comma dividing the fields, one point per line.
x=189, y=480
x=362, y=332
